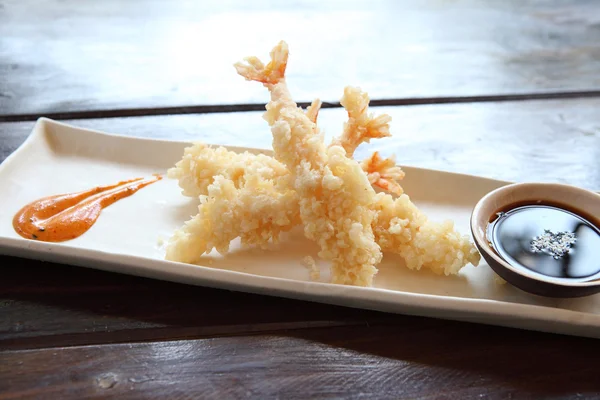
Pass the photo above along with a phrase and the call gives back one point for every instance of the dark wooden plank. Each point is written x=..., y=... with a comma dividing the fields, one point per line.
x=67, y=55
x=416, y=360
x=545, y=140
x=46, y=304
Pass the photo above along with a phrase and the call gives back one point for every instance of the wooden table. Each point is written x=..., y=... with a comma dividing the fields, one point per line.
x=502, y=89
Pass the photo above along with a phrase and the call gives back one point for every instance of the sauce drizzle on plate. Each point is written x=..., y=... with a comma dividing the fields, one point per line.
x=65, y=217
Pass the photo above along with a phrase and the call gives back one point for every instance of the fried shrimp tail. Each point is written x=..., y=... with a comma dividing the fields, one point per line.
x=383, y=173
x=272, y=73
x=361, y=127
x=312, y=112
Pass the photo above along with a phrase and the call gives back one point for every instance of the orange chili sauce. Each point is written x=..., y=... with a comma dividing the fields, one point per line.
x=67, y=216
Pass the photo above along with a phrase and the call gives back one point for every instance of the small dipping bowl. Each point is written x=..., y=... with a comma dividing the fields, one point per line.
x=573, y=198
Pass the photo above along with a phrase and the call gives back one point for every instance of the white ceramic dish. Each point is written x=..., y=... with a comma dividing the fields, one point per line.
x=58, y=158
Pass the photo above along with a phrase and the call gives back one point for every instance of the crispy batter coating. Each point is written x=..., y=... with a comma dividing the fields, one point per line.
x=241, y=195
x=335, y=195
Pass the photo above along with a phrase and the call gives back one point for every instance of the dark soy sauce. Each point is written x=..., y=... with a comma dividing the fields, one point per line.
x=547, y=239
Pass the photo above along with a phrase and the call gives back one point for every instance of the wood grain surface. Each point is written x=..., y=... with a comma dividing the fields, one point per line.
x=50, y=305
x=546, y=140
x=68, y=55
x=501, y=89
x=412, y=359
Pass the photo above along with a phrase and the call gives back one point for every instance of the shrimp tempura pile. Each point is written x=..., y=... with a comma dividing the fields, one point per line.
x=256, y=197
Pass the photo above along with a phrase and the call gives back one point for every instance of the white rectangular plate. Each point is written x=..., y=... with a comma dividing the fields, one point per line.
x=58, y=158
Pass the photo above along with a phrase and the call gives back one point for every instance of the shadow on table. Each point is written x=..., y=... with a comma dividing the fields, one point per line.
x=46, y=304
